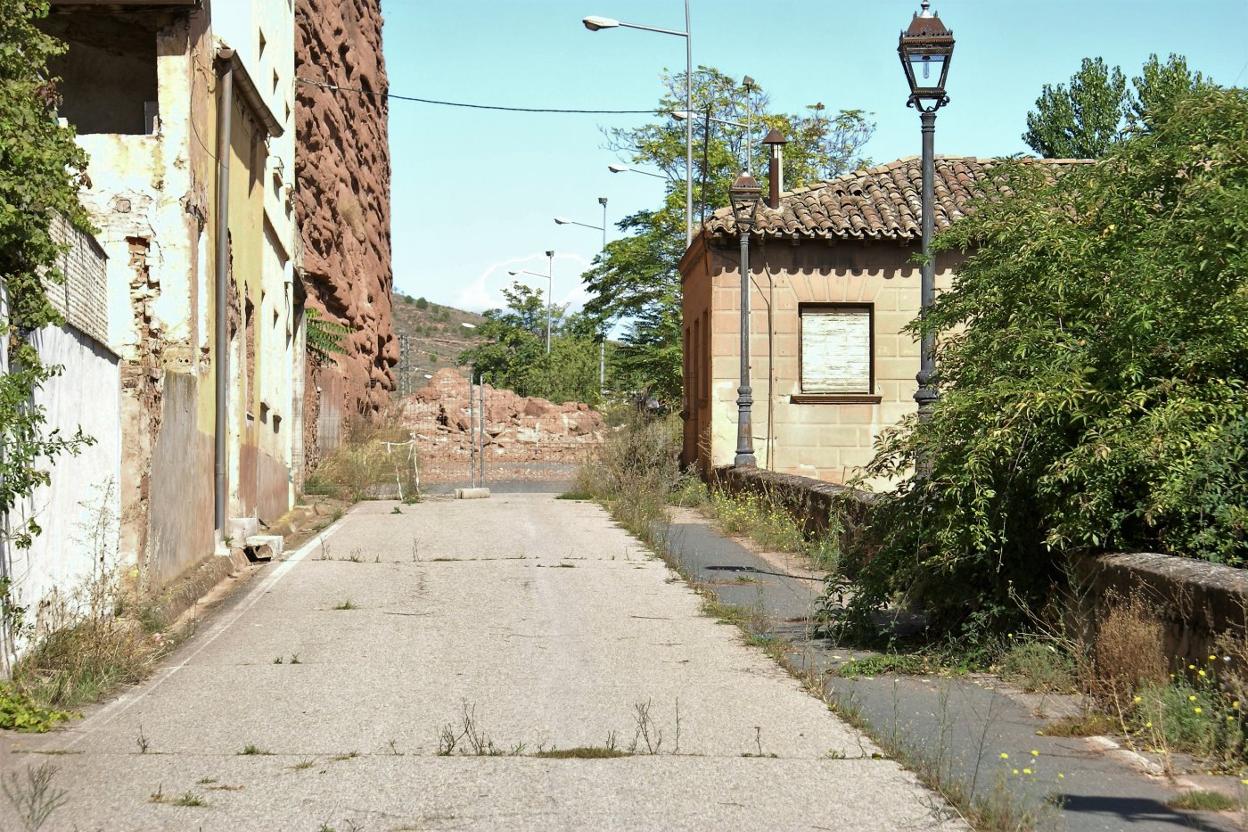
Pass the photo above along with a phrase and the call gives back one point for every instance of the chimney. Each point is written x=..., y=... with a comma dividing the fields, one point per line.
x=775, y=174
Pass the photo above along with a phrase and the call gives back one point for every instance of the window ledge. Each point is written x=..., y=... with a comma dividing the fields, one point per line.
x=834, y=398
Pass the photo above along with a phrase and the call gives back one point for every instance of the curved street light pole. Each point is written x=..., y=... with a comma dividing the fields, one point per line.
x=595, y=24
x=602, y=340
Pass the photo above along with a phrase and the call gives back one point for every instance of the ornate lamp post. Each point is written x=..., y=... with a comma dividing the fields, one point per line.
x=745, y=195
x=926, y=49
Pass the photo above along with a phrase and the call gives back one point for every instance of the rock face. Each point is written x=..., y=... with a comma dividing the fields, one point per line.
x=342, y=199
x=525, y=438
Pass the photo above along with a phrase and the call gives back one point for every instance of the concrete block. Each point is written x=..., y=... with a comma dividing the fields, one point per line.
x=264, y=546
x=471, y=493
x=241, y=528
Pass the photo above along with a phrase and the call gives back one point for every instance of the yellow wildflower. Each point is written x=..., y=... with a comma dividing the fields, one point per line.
x=1198, y=711
x=1004, y=756
x=1026, y=771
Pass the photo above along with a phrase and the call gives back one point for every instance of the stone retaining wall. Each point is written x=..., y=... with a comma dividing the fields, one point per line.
x=1197, y=601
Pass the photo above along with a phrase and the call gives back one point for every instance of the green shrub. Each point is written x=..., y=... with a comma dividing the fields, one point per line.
x=19, y=712
x=1093, y=368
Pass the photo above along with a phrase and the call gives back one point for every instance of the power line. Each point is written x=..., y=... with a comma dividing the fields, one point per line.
x=396, y=97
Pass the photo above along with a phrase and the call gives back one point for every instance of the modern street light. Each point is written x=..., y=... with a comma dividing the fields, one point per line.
x=602, y=341
x=925, y=46
x=748, y=127
x=627, y=169
x=550, y=287
x=595, y=24
x=744, y=196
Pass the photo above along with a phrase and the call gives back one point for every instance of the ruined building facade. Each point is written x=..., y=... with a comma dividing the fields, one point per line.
x=186, y=110
x=342, y=166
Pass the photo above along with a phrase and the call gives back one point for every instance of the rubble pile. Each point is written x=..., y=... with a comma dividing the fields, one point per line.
x=525, y=437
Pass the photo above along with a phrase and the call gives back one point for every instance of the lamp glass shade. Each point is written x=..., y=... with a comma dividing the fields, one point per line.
x=744, y=195
x=926, y=49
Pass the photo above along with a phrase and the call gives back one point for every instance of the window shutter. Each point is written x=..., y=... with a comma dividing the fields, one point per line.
x=836, y=350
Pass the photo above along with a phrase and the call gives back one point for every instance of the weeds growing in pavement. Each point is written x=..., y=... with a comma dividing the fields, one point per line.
x=467, y=736
x=250, y=750
x=33, y=796
x=345, y=604
x=1201, y=800
x=646, y=731
x=141, y=740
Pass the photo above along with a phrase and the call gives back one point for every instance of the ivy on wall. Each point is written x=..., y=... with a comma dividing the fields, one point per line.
x=41, y=169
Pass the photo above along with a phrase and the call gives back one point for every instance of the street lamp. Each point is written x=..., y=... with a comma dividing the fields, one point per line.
x=685, y=115
x=602, y=341
x=550, y=287
x=926, y=49
x=627, y=169
x=744, y=196
x=595, y=24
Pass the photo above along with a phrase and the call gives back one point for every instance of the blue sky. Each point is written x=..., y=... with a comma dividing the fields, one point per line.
x=475, y=192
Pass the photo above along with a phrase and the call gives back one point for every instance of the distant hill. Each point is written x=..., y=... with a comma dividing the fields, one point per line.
x=431, y=336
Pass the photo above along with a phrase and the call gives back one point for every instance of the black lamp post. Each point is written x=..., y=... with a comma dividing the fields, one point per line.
x=926, y=49
x=745, y=195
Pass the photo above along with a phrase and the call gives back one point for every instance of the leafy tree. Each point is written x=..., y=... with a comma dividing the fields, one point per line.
x=1095, y=110
x=513, y=354
x=40, y=171
x=1093, y=367
x=1081, y=120
x=636, y=279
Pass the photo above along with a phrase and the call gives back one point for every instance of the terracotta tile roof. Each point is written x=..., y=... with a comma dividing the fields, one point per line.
x=878, y=203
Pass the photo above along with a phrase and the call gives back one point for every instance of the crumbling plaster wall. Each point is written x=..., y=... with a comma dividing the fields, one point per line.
x=149, y=198
x=343, y=206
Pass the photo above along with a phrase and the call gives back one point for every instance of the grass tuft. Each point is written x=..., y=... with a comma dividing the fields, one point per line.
x=1201, y=800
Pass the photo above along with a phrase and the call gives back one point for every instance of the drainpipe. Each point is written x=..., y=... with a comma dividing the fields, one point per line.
x=225, y=107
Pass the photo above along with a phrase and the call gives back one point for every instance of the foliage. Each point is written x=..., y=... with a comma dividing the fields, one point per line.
x=1085, y=118
x=40, y=171
x=377, y=459
x=1038, y=665
x=772, y=525
x=1093, y=363
x=19, y=712
x=635, y=473
x=324, y=336
x=512, y=353
x=636, y=278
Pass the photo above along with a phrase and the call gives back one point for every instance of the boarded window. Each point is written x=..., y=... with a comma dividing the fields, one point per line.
x=836, y=349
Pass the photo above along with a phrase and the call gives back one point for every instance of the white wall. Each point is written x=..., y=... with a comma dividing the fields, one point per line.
x=84, y=490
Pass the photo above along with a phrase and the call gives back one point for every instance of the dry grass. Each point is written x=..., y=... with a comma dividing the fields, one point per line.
x=372, y=463
x=101, y=639
x=1127, y=651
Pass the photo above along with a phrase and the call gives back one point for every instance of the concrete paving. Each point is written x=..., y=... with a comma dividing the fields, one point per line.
x=546, y=624
x=966, y=722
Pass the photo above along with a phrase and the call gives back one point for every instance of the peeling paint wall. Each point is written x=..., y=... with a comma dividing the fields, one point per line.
x=153, y=197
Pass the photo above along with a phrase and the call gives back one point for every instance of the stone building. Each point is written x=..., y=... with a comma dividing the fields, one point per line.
x=186, y=111
x=833, y=284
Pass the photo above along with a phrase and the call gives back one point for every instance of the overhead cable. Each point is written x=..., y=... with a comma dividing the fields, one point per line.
x=337, y=88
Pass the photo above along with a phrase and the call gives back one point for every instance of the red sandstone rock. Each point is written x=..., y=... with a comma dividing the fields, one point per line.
x=342, y=197
x=518, y=430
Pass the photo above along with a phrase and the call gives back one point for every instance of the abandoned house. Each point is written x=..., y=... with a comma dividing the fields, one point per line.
x=185, y=110
x=834, y=283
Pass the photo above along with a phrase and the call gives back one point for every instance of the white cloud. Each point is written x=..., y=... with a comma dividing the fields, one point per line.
x=486, y=291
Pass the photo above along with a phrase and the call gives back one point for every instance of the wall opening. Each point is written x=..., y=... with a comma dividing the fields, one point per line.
x=108, y=73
